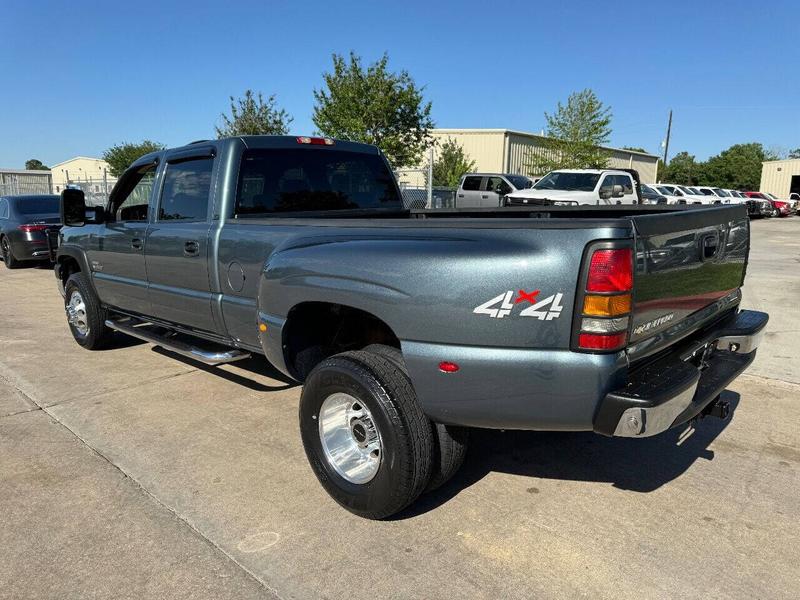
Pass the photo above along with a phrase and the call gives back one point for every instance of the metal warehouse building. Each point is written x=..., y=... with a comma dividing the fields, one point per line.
x=507, y=151
x=781, y=177
x=18, y=181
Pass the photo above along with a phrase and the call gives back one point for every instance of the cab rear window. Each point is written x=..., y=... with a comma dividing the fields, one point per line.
x=305, y=180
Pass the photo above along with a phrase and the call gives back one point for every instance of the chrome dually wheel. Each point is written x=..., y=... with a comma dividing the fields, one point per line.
x=76, y=313
x=350, y=439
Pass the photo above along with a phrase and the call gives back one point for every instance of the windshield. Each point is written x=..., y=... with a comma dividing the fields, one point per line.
x=571, y=182
x=313, y=180
x=721, y=192
x=773, y=196
x=706, y=191
x=519, y=181
x=689, y=190
x=666, y=190
x=37, y=205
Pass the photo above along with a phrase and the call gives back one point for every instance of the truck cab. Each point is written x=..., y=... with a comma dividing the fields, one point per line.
x=568, y=187
x=487, y=190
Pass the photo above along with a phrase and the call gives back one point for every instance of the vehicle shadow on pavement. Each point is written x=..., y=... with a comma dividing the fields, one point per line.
x=255, y=365
x=642, y=465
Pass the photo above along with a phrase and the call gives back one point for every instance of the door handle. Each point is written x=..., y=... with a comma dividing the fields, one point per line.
x=136, y=244
x=709, y=245
x=461, y=195
x=484, y=196
x=191, y=248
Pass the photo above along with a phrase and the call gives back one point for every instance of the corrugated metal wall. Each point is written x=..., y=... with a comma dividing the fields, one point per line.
x=484, y=147
x=520, y=147
x=776, y=176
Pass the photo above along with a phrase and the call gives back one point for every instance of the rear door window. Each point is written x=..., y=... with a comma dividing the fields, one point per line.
x=472, y=184
x=187, y=186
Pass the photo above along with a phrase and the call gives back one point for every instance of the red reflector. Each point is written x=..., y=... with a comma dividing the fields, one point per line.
x=30, y=228
x=611, y=271
x=316, y=141
x=448, y=367
x=593, y=341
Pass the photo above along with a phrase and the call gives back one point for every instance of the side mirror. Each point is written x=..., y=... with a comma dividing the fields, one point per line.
x=73, y=208
x=617, y=191
x=605, y=192
x=501, y=189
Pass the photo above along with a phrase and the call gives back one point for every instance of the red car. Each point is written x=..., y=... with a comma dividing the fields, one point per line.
x=780, y=208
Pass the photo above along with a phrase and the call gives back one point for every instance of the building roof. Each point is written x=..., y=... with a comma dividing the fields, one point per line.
x=783, y=160
x=25, y=171
x=536, y=135
x=63, y=162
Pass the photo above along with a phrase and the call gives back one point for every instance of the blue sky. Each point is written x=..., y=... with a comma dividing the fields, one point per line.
x=78, y=77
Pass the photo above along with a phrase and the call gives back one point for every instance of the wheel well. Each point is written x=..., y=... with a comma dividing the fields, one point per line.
x=68, y=266
x=317, y=330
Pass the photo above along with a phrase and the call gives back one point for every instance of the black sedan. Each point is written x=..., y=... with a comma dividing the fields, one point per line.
x=25, y=222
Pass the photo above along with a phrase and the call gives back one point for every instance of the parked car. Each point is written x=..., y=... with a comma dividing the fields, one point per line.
x=24, y=225
x=407, y=327
x=780, y=208
x=651, y=196
x=687, y=194
x=792, y=203
x=578, y=186
x=716, y=194
x=486, y=190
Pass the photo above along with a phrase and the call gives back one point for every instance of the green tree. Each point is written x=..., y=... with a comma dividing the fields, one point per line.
x=120, y=156
x=683, y=169
x=738, y=167
x=634, y=149
x=252, y=115
x=451, y=163
x=35, y=165
x=794, y=153
x=375, y=106
x=575, y=133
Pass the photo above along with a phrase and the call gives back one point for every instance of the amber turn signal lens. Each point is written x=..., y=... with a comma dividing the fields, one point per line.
x=262, y=328
x=607, y=306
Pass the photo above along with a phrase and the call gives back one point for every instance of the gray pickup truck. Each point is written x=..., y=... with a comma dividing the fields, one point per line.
x=409, y=327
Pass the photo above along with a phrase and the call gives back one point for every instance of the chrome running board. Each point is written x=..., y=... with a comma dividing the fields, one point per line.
x=208, y=357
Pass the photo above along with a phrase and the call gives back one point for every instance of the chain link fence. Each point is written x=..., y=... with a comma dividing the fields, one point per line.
x=418, y=193
x=96, y=191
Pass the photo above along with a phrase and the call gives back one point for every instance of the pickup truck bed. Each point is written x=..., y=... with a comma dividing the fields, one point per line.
x=491, y=314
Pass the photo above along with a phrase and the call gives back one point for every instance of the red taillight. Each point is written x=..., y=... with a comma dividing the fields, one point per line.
x=315, y=141
x=611, y=271
x=32, y=228
x=594, y=341
x=606, y=300
x=448, y=367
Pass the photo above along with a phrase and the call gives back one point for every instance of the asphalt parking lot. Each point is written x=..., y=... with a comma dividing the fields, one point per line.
x=131, y=473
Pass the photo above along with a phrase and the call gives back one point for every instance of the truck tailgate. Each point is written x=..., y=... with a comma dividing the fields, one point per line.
x=689, y=267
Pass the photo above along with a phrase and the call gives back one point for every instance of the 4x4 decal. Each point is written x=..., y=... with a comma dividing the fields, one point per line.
x=546, y=309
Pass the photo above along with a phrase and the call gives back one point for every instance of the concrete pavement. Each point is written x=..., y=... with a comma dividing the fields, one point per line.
x=130, y=472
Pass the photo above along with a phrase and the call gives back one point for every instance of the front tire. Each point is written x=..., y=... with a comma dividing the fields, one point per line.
x=8, y=255
x=85, y=316
x=365, y=436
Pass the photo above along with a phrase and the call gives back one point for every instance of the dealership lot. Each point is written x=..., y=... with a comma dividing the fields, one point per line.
x=133, y=473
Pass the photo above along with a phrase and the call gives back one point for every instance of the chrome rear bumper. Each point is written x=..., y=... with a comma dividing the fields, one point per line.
x=677, y=388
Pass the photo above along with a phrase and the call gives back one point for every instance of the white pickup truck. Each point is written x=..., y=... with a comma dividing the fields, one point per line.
x=578, y=186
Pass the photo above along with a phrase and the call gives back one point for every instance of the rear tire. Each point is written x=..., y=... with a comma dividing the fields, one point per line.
x=365, y=436
x=450, y=441
x=85, y=316
x=8, y=254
